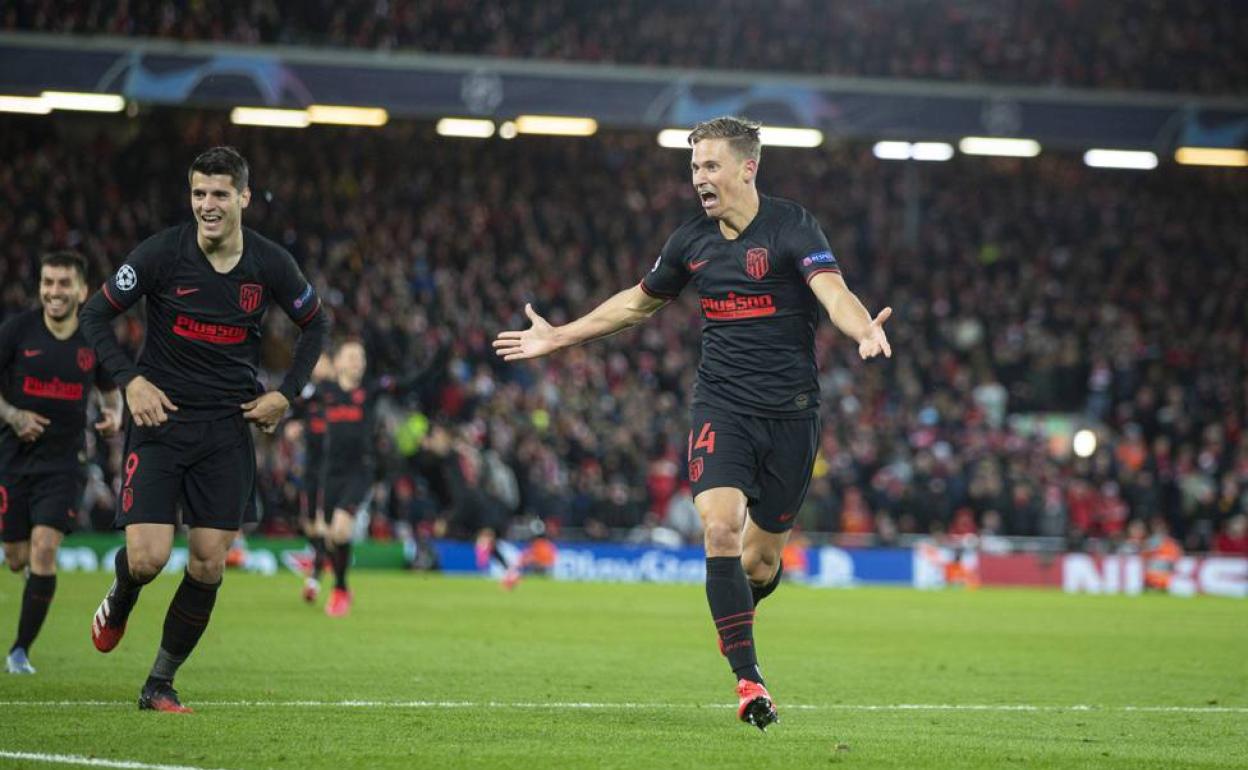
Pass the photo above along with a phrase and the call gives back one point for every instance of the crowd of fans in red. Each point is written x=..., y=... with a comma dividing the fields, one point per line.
x=1192, y=46
x=1021, y=289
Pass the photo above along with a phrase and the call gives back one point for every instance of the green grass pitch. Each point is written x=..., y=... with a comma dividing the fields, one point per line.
x=627, y=676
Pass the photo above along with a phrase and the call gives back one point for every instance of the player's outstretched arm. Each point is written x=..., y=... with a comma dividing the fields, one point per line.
x=622, y=311
x=849, y=315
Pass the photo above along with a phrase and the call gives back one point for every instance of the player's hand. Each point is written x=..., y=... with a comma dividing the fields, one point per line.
x=536, y=341
x=109, y=424
x=148, y=404
x=28, y=425
x=875, y=341
x=267, y=410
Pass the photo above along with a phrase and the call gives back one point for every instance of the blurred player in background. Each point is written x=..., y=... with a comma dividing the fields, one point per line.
x=349, y=458
x=48, y=369
x=762, y=268
x=310, y=409
x=192, y=396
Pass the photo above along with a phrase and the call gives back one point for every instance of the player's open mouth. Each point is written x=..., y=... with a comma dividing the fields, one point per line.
x=709, y=198
x=56, y=303
x=210, y=219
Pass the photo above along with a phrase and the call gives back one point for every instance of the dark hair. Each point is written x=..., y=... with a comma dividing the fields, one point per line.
x=65, y=258
x=222, y=160
x=741, y=133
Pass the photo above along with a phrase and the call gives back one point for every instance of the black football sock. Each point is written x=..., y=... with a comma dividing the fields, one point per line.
x=318, y=555
x=126, y=588
x=184, y=623
x=763, y=591
x=36, y=598
x=342, y=560
x=732, y=609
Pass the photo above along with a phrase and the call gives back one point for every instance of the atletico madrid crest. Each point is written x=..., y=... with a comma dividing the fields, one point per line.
x=86, y=359
x=249, y=296
x=756, y=264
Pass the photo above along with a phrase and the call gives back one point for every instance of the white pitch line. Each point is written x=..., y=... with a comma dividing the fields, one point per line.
x=73, y=759
x=565, y=705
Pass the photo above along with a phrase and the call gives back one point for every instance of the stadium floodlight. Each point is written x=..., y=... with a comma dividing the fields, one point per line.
x=674, y=138
x=994, y=145
x=933, y=151
x=27, y=105
x=265, y=116
x=1133, y=159
x=1084, y=443
x=339, y=115
x=84, y=102
x=778, y=136
x=1211, y=156
x=556, y=125
x=466, y=128
x=891, y=150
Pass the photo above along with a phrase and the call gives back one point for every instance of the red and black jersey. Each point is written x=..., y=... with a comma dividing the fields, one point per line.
x=350, y=419
x=203, y=327
x=310, y=408
x=50, y=377
x=758, y=335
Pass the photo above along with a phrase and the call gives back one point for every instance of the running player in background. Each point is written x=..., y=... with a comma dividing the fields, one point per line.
x=762, y=268
x=349, y=455
x=310, y=409
x=191, y=397
x=48, y=370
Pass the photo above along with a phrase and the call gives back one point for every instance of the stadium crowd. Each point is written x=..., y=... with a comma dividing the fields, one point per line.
x=1192, y=46
x=1029, y=297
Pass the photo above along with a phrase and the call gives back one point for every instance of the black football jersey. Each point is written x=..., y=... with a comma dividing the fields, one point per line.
x=203, y=327
x=759, y=314
x=50, y=377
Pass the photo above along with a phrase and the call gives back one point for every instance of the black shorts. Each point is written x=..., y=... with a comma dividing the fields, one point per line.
x=38, y=499
x=345, y=492
x=769, y=460
x=209, y=466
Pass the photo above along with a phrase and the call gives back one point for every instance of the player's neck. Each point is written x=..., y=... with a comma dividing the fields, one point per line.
x=64, y=328
x=222, y=254
x=735, y=220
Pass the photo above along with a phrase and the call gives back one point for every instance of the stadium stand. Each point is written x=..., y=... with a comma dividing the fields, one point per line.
x=1191, y=46
x=1019, y=287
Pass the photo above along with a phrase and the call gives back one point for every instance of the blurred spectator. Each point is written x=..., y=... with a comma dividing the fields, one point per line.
x=1233, y=539
x=1174, y=45
x=1024, y=277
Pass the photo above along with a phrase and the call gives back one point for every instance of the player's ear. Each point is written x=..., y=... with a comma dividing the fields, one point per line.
x=750, y=170
x=244, y=197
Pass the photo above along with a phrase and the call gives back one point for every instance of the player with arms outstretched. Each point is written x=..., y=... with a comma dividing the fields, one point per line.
x=191, y=397
x=48, y=371
x=762, y=268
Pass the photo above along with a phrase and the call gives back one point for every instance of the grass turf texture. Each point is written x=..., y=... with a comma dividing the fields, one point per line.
x=420, y=638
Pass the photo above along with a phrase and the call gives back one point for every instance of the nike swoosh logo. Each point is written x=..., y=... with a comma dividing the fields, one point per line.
x=181, y=292
x=32, y=353
x=696, y=266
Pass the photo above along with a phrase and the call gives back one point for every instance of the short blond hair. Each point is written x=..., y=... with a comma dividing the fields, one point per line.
x=741, y=133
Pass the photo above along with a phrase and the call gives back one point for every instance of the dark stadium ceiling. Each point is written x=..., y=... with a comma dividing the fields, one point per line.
x=425, y=86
